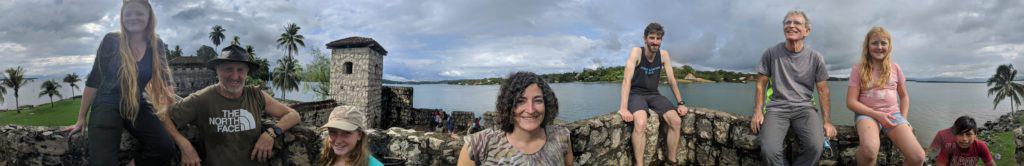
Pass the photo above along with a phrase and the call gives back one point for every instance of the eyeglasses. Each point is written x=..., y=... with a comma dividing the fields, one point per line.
x=796, y=23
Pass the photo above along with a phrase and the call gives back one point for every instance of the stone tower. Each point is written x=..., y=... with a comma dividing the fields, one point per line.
x=357, y=65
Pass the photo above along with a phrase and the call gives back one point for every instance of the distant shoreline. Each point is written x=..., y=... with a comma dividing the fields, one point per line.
x=451, y=82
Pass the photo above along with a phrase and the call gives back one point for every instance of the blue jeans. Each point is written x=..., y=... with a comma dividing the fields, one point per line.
x=898, y=121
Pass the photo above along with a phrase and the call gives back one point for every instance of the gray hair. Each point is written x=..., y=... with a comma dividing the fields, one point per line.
x=807, y=21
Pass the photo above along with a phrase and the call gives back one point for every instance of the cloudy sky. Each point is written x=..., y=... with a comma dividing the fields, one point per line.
x=439, y=40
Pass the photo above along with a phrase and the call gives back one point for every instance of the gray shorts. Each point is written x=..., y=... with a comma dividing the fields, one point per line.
x=899, y=120
x=655, y=102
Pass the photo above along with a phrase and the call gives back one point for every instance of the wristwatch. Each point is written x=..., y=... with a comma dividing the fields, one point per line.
x=680, y=102
x=273, y=131
x=270, y=132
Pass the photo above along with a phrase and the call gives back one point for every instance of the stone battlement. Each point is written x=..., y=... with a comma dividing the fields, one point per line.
x=709, y=137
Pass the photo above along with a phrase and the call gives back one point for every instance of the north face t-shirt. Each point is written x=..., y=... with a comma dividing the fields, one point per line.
x=229, y=128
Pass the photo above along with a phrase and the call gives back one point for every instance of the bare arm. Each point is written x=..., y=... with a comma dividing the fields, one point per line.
x=189, y=156
x=87, y=95
x=169, y=126
x=627, y=80
x=762, y=81
x=672, y=82
x=757, y=118
x=568, y=153
x=289, y=118
x=83, y=110
x=901, y=89
x=823, y=98
x=464, y=157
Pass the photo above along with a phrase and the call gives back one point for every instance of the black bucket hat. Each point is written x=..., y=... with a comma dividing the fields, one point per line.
x=232, y=53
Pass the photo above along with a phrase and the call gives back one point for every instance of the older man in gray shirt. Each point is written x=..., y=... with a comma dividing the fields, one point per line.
x=795, y=71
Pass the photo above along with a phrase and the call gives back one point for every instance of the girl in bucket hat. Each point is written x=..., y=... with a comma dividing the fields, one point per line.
x=346, y=142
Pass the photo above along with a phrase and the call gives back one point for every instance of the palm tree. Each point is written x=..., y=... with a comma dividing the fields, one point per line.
x=15, y=79
x=1002, y=86
x=72, y=80
x=217, y=35
x=262, y=73
x=176, y=52
x=286, y=77
x=49, y=88
x=234, y=41
x=252, y=51
x=291, y=39
x=286, y=74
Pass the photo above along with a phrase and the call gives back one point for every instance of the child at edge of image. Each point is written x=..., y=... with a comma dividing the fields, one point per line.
x=966, y=148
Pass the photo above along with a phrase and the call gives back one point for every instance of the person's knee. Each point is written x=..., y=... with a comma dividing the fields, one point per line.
x=816, y=148
x=640, y=126
x=869, y=146
x=673, y=121
x=869, y=153
x=771, y=149
x=916, y=159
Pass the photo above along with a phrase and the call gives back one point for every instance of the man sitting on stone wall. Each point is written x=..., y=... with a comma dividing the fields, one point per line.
x=228, y=116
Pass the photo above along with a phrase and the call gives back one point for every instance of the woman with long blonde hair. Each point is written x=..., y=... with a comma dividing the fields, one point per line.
x=877, y=94
x=128, y=64
x=346, y=141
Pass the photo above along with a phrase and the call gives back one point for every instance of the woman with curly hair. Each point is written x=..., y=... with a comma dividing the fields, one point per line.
x=526, y=106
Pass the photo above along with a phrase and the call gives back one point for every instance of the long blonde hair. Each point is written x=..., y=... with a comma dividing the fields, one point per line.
x=359, y=156
x=866, y=60
x=157, y=89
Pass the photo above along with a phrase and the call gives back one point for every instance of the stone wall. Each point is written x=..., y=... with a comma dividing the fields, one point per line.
x=1018, y=137
x=396, y=106
x=30, y=145
x=708, y=138
x=313, y=113
x=190, y=74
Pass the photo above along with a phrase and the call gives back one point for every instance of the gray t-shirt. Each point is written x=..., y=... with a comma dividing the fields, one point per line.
x=793, y=75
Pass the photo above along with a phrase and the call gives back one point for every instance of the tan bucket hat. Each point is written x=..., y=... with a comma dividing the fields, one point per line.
x=346, y=118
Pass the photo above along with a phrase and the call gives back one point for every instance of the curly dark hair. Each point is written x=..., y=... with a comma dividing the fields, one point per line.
x=654, y=28
x=512, y=88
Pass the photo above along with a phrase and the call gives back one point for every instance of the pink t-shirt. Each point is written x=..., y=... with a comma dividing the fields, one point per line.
x=883, y=99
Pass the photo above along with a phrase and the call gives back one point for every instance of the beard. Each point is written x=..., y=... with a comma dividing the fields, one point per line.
x=232, y=90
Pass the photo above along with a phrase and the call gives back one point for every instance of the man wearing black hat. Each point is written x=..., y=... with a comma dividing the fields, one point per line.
x=227, y=116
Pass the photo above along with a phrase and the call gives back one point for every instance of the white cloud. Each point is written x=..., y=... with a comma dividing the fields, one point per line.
x=432, y=40
x=63, y=60
x=11, y=47
x=1006, y=51
x=495, y=57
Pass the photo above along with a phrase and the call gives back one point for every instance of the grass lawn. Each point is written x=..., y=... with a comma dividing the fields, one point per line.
x=1004, y=148
x=63, y=113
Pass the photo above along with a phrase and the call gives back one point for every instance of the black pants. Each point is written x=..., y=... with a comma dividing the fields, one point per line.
x=104, y=134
